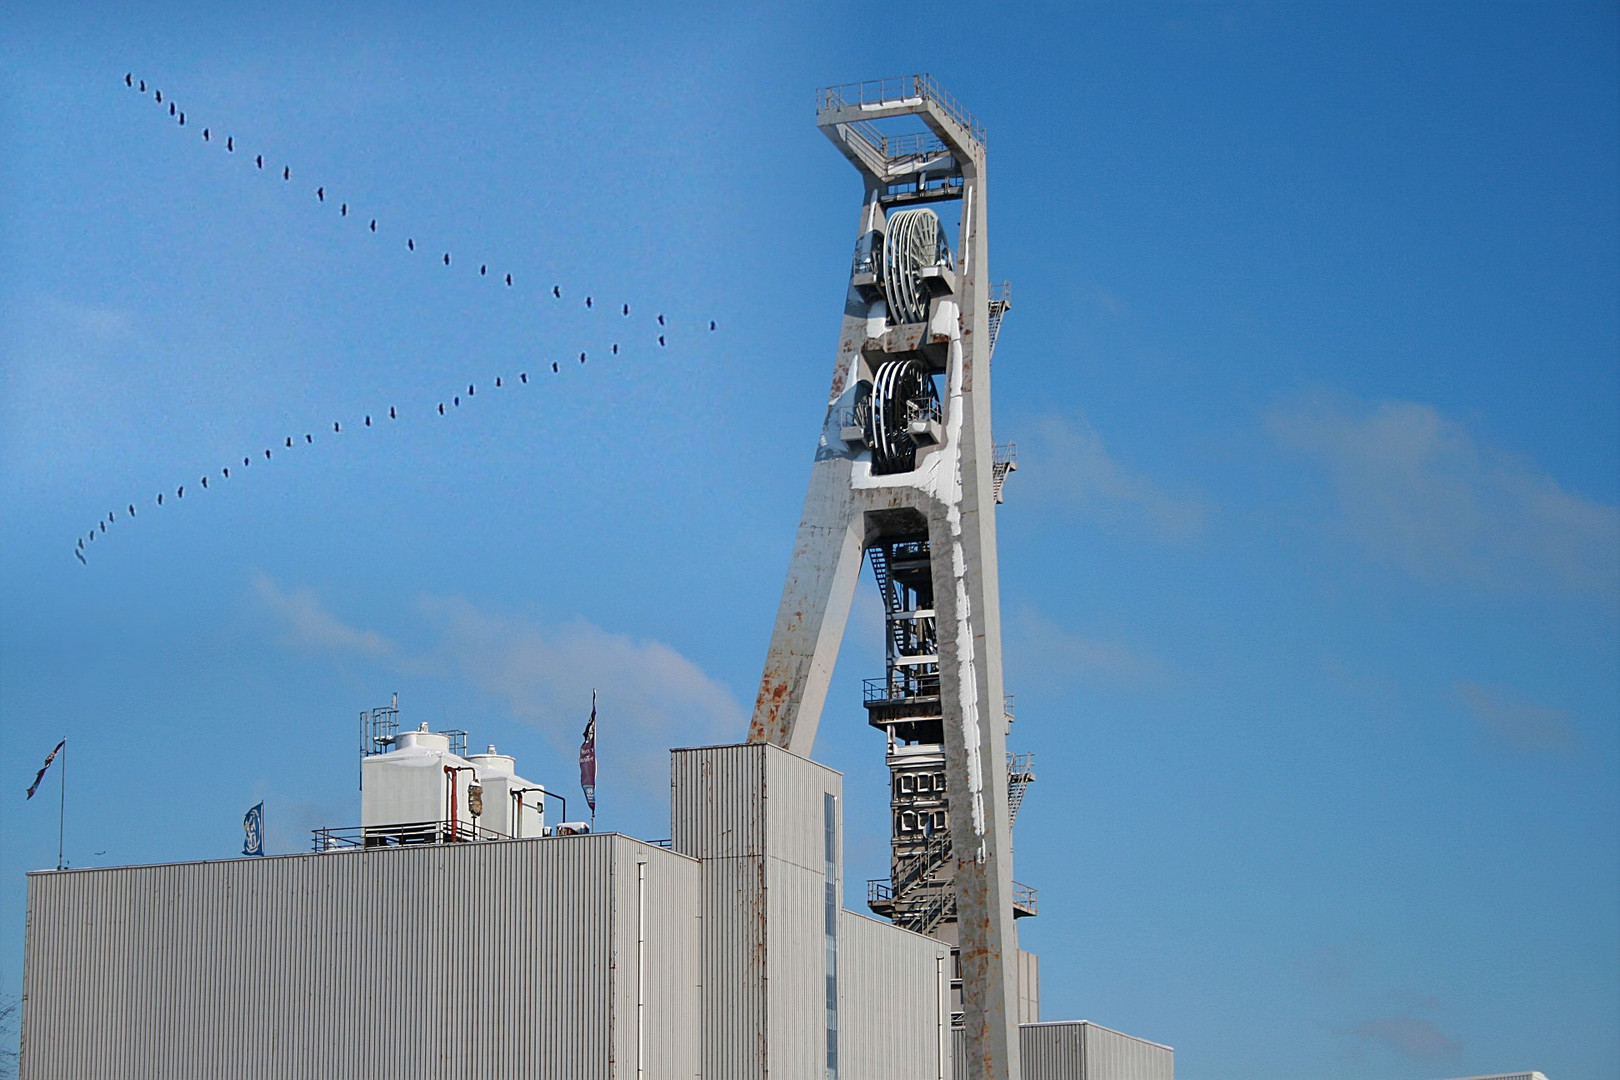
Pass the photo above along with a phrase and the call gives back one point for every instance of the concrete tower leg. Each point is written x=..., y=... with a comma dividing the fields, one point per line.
x=941, y=479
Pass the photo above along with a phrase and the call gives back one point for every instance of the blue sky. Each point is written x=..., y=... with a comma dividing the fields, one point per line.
x=1310, y=570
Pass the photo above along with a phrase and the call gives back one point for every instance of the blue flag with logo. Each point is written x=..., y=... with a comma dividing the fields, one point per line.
x=253, y=830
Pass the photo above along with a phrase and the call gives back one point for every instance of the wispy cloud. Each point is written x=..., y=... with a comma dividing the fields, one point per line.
x=1419, y=490
x=651, y=697
x=1068, y=656
x=657, y=697
x=1409, y=1036
x=1520, y=725
x=1073, y=467
x=306, y=624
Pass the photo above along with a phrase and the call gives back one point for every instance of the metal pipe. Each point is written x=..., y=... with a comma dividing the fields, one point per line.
x=455, y=820
x=641, y=969
x=518, y=794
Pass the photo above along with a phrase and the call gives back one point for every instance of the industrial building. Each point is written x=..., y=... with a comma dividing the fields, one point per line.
x=460, y=932
x=721, y=953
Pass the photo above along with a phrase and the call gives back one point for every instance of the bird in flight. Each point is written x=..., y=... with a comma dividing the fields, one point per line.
x=582, y=358
x=660, y=319
x=320, y=194
x=230, y=144
x=447, y=258
x=627, y=309
x=205, y=134
x=441, y=408
x=711, y=325
x=409, y=243
x=523, y=377
x=587, y=303
x=373, y=224
x=205, y=481
x=286, y=172
x=258, y=159
x=556, y=290
x=554, y=367
x=615, y=348
x=509, y=281
x=77, y=554
x=391, y=414
x=129, y=78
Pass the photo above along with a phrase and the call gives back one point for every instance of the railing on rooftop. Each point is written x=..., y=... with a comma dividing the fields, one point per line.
x=403, y=834
x=899, y=90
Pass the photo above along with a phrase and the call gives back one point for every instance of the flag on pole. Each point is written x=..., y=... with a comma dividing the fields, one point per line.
x=253, y=831
x=52, y=757
x=587, y=760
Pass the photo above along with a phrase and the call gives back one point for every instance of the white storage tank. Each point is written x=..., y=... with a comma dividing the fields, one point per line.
x=416, y=792
x=513, y=806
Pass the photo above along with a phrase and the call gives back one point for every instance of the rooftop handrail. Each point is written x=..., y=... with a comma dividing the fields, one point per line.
x=401, y=834
x=897, y=90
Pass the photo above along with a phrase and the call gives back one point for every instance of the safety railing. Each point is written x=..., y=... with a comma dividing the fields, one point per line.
x=899, y=90
x=401, y=834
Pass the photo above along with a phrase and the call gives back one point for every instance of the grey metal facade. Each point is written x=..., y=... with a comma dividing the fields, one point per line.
x=1081, y=1050
x=593, y=957
x=894, y=991
x=509, y=959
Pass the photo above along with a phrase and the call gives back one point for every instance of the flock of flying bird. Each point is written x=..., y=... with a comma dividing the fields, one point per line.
x=344, y=210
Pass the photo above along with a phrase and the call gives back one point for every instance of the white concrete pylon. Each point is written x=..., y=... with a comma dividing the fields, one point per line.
x=946, y=495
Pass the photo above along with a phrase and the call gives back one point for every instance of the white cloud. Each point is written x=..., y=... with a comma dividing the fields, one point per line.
x=1519, y=724
x=1410, y=1036
x=1418, y=490
x=651, y=698
x=1071, y=465
x=1042, y=652
x=308, y=625
x=656, y=697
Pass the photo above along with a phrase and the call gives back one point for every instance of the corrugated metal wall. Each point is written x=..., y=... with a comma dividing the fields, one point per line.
x=1113, y=1055
x=733, y=969
x=795, y=999
x=894, y=1016
x=732, y=801
x=476, y=960
x=1079, y=1050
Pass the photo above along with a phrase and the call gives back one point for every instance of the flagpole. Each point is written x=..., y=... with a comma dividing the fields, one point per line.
x=61, y=809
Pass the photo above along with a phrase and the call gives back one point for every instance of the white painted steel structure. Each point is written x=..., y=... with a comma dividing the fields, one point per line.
x=891, y=467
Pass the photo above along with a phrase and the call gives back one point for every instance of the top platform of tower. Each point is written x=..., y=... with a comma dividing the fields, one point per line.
x=925, y=164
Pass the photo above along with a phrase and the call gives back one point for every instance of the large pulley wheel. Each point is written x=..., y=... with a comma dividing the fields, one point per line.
x=903, y=395
x=915, y=239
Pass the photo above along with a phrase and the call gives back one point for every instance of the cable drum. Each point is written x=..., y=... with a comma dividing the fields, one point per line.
x=902, y=393
x=915, y=240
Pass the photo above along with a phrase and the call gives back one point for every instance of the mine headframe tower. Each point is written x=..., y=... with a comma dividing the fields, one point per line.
x=906, y=473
